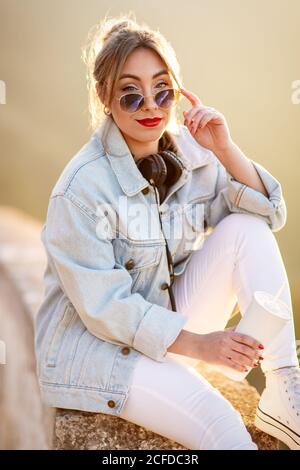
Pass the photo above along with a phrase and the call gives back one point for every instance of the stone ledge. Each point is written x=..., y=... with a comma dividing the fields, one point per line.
x=26, y=423
x=91, y=431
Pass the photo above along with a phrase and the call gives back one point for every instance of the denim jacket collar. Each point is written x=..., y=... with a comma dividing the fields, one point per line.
x=191, y=154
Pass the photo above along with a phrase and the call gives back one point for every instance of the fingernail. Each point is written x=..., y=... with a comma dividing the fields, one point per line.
x=255, y=365
x=261, y=358
x=261, y=346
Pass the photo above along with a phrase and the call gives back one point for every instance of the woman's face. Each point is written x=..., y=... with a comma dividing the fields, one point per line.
x=151, y=76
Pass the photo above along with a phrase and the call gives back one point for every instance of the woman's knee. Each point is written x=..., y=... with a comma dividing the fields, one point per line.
x=244, y=222
x=243, y=227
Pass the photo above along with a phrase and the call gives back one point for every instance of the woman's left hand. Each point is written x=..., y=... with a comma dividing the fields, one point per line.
x=207, y=125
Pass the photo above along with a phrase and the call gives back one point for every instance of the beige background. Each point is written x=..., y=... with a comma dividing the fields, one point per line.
x=239, y=56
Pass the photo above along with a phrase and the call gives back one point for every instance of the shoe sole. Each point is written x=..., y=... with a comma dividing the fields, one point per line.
x=275, y=428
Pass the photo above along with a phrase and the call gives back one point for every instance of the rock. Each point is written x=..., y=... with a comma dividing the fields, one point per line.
x=80, y=430
x=26, y=423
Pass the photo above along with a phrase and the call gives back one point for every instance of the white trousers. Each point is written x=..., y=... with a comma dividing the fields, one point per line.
x=172, y=399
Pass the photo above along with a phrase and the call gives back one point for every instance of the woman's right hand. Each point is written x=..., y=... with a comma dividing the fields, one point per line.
x=229, y=348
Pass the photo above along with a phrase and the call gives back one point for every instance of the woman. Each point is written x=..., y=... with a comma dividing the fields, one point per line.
x=124, y=313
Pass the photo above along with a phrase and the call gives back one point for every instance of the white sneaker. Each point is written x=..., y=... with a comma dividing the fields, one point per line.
x=278, y=411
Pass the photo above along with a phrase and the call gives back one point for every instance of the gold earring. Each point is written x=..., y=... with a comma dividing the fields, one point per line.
x=107, y=111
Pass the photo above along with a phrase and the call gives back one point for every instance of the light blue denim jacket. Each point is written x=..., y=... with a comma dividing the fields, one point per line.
x=105, y=301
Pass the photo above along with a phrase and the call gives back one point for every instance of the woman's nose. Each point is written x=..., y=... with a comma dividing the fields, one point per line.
x=149, y=102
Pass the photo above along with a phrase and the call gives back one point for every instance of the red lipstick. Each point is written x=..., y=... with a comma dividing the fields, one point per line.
x=149, y=122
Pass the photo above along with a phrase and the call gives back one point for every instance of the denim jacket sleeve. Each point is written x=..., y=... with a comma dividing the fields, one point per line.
x=101, y=294
x=233, y=196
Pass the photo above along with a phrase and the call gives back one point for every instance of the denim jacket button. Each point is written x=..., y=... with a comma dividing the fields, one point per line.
x=125, y=350
x=145, y=190
x=111, y=403
x=164, y=286
x=129, y=264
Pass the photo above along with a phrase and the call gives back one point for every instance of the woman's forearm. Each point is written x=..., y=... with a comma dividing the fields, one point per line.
x=186, y=344
x=241, y=168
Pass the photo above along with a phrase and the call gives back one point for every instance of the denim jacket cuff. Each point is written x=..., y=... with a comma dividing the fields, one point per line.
x=247, y=199
x=157, y=331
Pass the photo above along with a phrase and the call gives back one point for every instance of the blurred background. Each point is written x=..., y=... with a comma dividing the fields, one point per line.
x=241, y=57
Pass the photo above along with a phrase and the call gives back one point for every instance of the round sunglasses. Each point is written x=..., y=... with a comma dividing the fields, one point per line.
x=132, y=102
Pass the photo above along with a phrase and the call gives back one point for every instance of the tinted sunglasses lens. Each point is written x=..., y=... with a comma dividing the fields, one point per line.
x=165, y=98
x=131, y=102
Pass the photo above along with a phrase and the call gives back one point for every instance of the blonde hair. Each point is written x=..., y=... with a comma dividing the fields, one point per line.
x=108, y=45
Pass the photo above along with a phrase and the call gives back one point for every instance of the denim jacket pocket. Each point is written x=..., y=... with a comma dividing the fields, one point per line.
x=58, y=334
x=137, y=259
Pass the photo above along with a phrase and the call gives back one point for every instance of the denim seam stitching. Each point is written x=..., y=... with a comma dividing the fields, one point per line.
x=75, y=204
x=239, y=195
x=72, y=176
x=80, y=387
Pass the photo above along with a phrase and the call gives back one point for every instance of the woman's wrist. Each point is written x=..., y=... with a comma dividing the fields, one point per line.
x=188, y=344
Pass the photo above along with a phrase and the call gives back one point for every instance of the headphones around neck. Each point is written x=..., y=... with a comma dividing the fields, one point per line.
x=164, y=168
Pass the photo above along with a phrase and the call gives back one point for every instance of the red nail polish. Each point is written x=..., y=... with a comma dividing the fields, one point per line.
x=261, y=346
x=255, y=365
x=261, y=358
